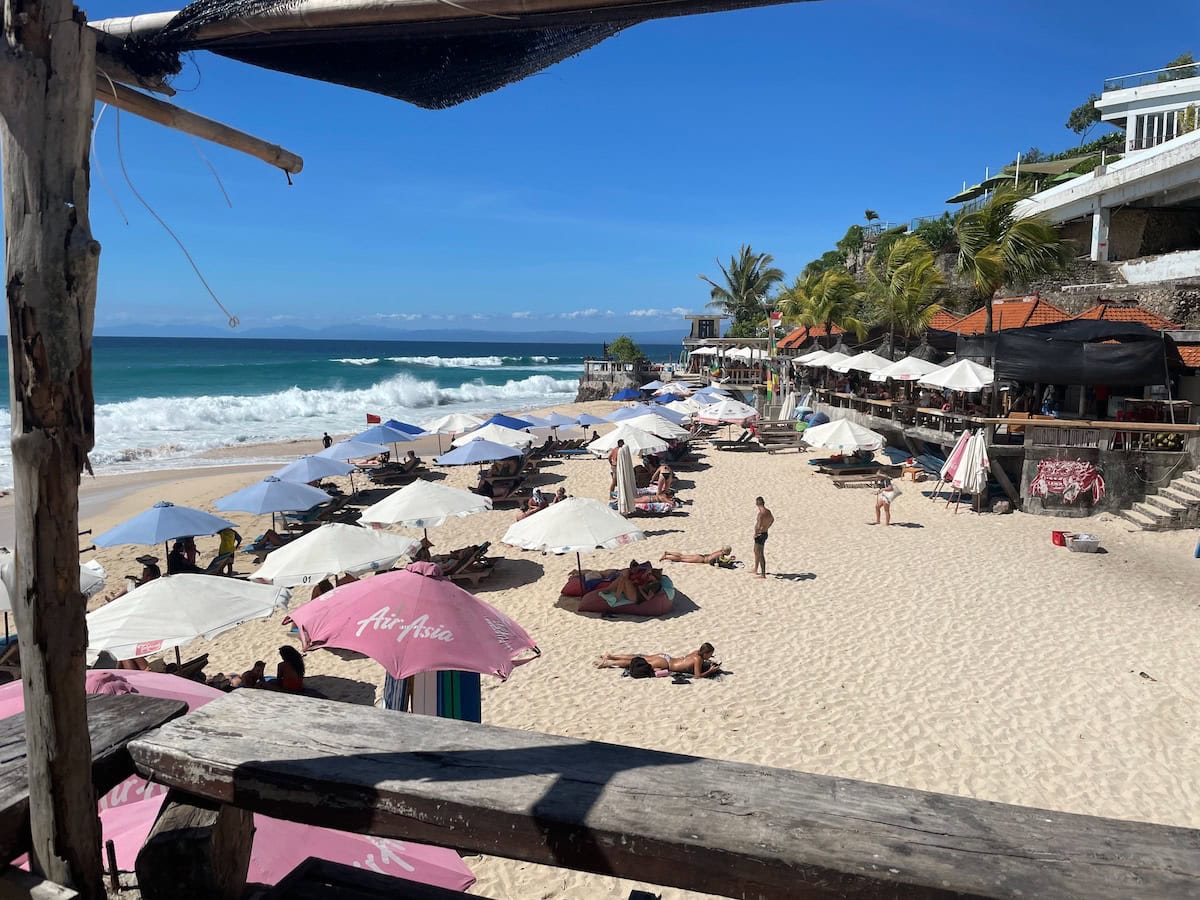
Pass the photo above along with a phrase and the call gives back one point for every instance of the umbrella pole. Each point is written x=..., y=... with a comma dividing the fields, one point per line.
x=6, y=636
x=178, y=658
x=579, y=565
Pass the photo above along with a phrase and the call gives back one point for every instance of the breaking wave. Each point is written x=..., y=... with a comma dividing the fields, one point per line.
x=451, y=362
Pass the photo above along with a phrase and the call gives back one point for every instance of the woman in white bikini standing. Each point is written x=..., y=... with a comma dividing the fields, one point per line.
x=883, y=502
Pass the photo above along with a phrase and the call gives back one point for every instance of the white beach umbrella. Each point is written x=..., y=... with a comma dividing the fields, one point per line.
x=674, y=387
x=810, y=357
x=732, y=412
x=497, y=434
x=454, y=423
x=911, y=368
x=862, y=362
x=787, y=411
x=331, y=549
x=626, y=482
x=651, y=385
x=657, y=426
x=635, y=439
x=424, y=504
x=971, y=476
x=574, y=525
x=352, y=449
x=686, y=408
x=965, y=375
x=175, y=610
x=828, y=360
x=844, y=435
x=91, y=579
x=704, y=351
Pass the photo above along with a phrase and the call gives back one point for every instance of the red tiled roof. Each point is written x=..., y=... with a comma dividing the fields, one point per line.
x=1191, y=356
x=944, y=320
x=1011, y=312
x=1116, y=312
x=797, y=338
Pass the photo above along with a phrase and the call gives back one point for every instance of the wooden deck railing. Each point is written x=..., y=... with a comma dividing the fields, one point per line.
x=699, y=824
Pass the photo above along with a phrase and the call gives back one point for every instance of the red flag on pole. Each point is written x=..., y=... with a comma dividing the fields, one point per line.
x=373, y=419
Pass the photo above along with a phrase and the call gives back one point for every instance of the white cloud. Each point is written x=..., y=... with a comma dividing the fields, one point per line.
x=522, y=315
x=478, y=316
x=581, y=314
x=653, y=313
x=403, y=317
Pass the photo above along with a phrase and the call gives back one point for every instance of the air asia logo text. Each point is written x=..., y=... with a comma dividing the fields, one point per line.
x=417, y=628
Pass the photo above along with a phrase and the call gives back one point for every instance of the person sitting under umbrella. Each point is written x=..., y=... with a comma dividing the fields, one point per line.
x=536, y=503
x=696, y=663
x=289, y=674
x=177, y=560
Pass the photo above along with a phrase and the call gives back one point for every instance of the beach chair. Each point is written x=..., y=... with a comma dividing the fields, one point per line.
x=505, y=490
x=468, y=564
x=330, y=511
x=745, y=441
x=868, y=480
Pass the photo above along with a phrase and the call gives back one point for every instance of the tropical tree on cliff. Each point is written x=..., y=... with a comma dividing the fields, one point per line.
x=830, y=298
x=996, y=248
x=747, y=281
x=903, y=288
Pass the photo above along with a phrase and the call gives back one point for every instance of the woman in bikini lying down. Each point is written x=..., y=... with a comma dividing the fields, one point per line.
x=709, y=559
x=696, y=663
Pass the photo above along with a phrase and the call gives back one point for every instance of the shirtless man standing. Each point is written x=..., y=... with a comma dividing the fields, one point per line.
x=613, y=455
x=763, y=521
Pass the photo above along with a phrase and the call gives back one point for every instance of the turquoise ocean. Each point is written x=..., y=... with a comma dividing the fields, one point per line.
x=161, y=401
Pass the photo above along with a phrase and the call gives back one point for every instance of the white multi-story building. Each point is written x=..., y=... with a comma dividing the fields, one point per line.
x=1151, y=107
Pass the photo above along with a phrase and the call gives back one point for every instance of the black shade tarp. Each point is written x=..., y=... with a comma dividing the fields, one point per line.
x=1022, y=356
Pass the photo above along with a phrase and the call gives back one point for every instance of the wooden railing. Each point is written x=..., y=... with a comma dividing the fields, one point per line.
x=698, y=824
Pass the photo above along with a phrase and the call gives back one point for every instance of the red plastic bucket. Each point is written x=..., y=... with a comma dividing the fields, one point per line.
x=1058, y=538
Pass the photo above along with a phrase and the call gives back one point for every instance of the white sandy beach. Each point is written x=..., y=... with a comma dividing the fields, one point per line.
x=959, y=653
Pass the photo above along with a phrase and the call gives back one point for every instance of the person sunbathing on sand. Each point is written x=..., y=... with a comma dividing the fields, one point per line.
x=709, y=559
x=696, y=663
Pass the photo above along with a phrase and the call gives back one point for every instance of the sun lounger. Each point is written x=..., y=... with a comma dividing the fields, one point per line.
x=870, y=480
x=469, y=564
x=745, y=441
x=330, y=511
x=507, y=490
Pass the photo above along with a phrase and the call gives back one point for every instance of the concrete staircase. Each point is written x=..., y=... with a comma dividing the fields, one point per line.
x=1175, y=506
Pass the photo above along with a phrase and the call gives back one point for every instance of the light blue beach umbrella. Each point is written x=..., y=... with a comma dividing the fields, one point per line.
x=162, y=522
x=508, y=422
x=383, y=434
x=558, y=420
x=627, y=412
x=414, y=430
x=536, y=421
x=271, y=495
x=630, y=412
x=477, y=451
x=586, y=419
x=307, y=469
x=352, y=449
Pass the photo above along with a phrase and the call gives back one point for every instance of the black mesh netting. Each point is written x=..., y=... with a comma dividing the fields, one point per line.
x=431, y=64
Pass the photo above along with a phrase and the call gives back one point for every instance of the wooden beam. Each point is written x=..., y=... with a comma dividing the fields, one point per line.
x=705, y=825
x=188, y=122
x=47, y=86
x=17, y=884
x=1005, y=482
x=197, y=850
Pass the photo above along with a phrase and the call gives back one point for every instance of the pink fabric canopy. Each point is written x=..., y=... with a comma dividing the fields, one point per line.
x=414, y=621
x=128, y=811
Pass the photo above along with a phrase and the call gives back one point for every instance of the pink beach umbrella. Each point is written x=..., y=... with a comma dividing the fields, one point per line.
x=414, y=621
x=128, y=811
x=950, y=466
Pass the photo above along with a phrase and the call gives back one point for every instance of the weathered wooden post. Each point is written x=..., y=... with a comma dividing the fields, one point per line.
x=47, y=85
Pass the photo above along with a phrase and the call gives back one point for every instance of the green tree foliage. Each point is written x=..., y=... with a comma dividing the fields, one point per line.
x=889, y=237
x=1182, y=66
x=826, y=299
x=938, y=234
x=852, y=240
x=903, y=288
x=831, y=259
x=996, y=248
x=747, y=281
x=625, y=350
x=1084, y=117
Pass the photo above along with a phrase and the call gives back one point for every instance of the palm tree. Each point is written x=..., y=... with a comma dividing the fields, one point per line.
x=903, y=287
x=870, y=215
x=748, y=278
x=831, y=298
x=997, y=248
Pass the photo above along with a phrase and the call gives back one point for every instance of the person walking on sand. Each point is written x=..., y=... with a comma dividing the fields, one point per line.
x=883, y=502
x=613, y=455
x=763, y=520
x=327, y=441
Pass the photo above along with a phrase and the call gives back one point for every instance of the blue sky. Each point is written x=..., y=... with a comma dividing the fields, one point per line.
x=590, y=196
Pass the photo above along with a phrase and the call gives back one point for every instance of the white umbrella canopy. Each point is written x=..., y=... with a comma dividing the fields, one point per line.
x=686, y=408
x=635, y=439
x=574, y=525
x=657, y=426
x=424, y=504
x=787, y=411
x=497, y=434
x=652, y=385
x=911, y=368
x=626, y=482
x=175, y=610
x=810, y=358
x=828, y=360
x=862, y=362
x=454, y=423
x=842, y=434
x=965, y=375
x=704, y=351
x=91, y=578
x=351, y=449
x=727, y=411
x=331, y=549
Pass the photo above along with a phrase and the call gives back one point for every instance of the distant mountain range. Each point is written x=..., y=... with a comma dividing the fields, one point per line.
x=353, y=332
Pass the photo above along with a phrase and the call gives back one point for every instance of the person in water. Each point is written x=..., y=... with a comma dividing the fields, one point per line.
x=695, y=663
x=710, y=559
